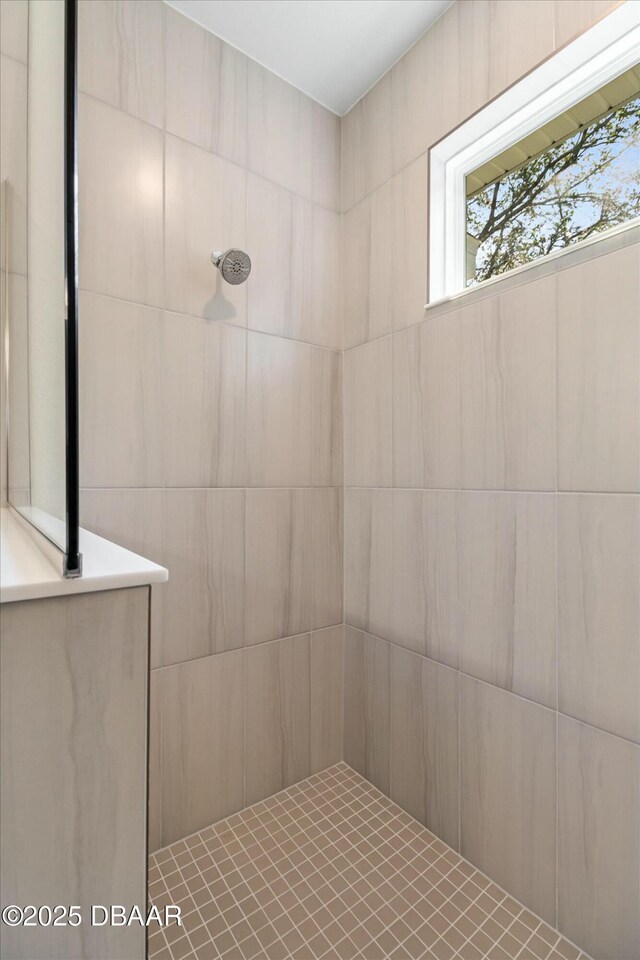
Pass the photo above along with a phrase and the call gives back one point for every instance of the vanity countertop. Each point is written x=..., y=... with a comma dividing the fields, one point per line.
x=26, y=572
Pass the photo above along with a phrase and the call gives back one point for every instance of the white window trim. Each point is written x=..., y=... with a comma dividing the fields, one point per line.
x=602, y=53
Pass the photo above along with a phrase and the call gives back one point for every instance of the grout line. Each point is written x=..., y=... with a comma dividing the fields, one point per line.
x=337, y=784
x=488, y=683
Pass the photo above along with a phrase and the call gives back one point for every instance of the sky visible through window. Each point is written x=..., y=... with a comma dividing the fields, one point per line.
x=576, y=188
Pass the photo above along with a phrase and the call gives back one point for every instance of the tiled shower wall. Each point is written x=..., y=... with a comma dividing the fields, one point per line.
x=211, y=415
x=492, y=516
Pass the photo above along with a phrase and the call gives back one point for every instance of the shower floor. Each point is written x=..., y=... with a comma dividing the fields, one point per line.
x=332, y=868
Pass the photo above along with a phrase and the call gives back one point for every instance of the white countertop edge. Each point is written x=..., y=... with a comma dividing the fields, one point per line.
x=27, y=573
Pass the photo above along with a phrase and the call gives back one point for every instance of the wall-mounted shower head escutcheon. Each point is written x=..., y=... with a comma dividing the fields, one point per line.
x=233, y=264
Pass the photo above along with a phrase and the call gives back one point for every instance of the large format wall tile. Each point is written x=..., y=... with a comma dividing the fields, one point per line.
x=204, y=368
x=426, y=404
x=327, y=697
x=368, y=559
x=277, y=716
x=599, y=611
x=205, y=210
x=280, y=553
x=74, y=754
x=280, y=139
x=279, y=425
x=508, y=591
x=399, y=249
x=326, y=162
x=133, y=519
x=424, y=742
x=367, y=414
x=13, y=160
x=367, y=706
x=366, y=144
x=573, y=18
x=121, y=55
x=326, y=418
x=327, y=534
x=425, y=592
x=279, y=240
x=599, y=374
x=120, y=204
x=204, y=551
x=295, y=249
x=206, y=89
x=202, y=737
x=598, y=841
x=360, y=324
x=14, y=29
x=508, y=792
x=508, y=390
x=122, y=401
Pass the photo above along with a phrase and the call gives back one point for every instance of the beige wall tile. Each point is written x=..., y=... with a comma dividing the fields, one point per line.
x=368, y=559
x=14, y=29
x=120, y=204
x=327, y=697
x=508, y=390
x=532, y=21
x=74, y=779
x=356, y=269
x=327, y=532
x=426, y=598
x=572, y=18
x=16, y=472
x=204, y=551
x=327, y=274
x=206, y=89
x=366, y=144
x=121, y=55
x=13, y=160
x=204, y=367
x=353, y=156
x=121, y=394
x=397, y=282
x=155, y=760
x=599, y=374
x=326, y=159
x=426, y=404
x=279, y=421
x=280, y=553
x=202, y=736
x=598, y=840
x=279, y=241
x=410, y=103
x=508, y=591
x=366, y=706
x=424, y=742
x=599, y=611
x=367, y=414
x=508, y=792
x=326, y=418
x=133, y=519
x=205, y=210
x=277, y=716
x=280, y=133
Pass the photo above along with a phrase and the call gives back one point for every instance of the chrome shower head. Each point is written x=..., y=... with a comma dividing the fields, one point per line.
x=233, y=264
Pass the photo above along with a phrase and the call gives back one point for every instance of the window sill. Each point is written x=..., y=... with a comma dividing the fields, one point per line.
x=625, y=235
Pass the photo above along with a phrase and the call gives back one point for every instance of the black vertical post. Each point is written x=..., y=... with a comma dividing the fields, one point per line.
x=73, y=561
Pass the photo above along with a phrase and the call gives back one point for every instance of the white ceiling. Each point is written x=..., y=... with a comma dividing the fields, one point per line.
x=332, y=50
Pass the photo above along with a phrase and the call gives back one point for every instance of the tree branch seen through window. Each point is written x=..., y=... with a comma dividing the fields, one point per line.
x=588, y=183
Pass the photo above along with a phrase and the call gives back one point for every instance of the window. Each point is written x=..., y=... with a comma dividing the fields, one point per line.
x=569, y=180
x=553, y=161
